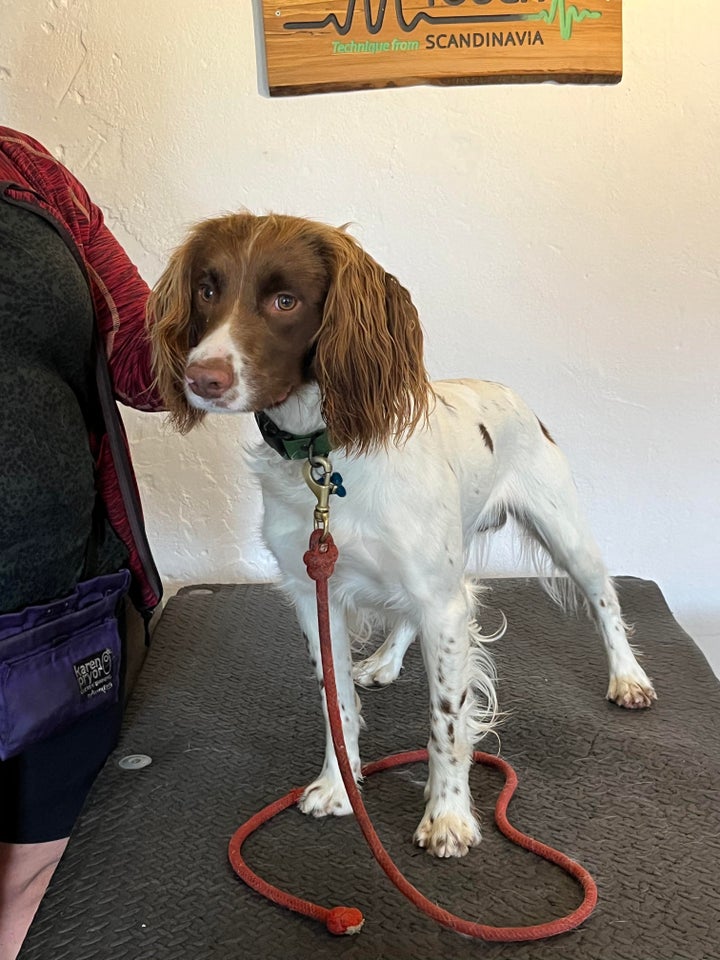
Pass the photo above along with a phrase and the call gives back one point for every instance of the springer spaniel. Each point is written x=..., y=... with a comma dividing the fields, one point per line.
x=292, y=320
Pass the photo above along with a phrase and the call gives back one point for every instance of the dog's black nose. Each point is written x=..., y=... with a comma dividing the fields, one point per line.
x=210, y=379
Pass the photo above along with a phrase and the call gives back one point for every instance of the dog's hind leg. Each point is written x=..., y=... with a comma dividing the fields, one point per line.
x=548, y=509
x=384, y=665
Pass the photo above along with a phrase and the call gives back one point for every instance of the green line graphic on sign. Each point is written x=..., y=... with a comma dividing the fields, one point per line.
x=565, y=16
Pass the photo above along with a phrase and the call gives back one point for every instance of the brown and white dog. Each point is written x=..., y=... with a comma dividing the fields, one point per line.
x=291, y=317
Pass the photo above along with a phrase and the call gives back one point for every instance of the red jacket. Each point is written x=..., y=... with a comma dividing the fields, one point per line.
x=31, y=177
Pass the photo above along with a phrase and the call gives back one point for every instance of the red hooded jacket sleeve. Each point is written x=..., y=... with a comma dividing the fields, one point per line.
x=31, y=175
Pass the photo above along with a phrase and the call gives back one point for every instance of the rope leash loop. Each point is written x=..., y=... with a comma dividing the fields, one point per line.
x=320, y=560
x=338, y=920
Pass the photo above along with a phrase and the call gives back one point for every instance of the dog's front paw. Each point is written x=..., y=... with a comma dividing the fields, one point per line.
x=324, y=797
x=631, y=692
x=447, y=835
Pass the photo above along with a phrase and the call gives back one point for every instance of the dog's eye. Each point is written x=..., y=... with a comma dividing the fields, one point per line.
x=207, y=292
x=285, y=301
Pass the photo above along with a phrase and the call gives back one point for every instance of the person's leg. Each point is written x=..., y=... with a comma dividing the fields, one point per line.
x=42, y=791
x=25, y=872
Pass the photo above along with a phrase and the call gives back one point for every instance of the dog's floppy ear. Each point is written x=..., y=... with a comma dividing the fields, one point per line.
x=169, y=319
x=369, y=353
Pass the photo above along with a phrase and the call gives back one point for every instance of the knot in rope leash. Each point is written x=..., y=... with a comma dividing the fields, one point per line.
x=320, y=561
x=321, y=557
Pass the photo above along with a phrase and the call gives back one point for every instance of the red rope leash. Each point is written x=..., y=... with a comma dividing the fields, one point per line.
x=320, y=561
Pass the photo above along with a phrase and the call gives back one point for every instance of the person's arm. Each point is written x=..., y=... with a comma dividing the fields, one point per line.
x=120, y=296
x=118, y=291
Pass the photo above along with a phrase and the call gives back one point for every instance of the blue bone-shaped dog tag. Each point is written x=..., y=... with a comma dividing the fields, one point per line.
x=336, y=481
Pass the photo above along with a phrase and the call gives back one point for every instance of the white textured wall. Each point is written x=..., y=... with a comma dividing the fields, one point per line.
x=562, y=239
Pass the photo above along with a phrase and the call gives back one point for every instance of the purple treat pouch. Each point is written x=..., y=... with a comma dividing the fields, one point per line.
x=59, y=662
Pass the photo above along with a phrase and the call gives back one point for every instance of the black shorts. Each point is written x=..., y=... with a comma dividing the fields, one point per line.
x=42, y=790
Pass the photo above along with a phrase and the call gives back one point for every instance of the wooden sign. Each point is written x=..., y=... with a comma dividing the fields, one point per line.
x=315, y=46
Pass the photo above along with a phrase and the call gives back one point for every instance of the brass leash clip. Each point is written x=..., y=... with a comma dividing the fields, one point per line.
x=319, y=476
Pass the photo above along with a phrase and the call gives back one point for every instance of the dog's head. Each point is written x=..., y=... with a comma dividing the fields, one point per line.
x=251, y=308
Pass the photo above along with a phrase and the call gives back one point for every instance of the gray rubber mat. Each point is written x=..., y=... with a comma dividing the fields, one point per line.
x=227, y=708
